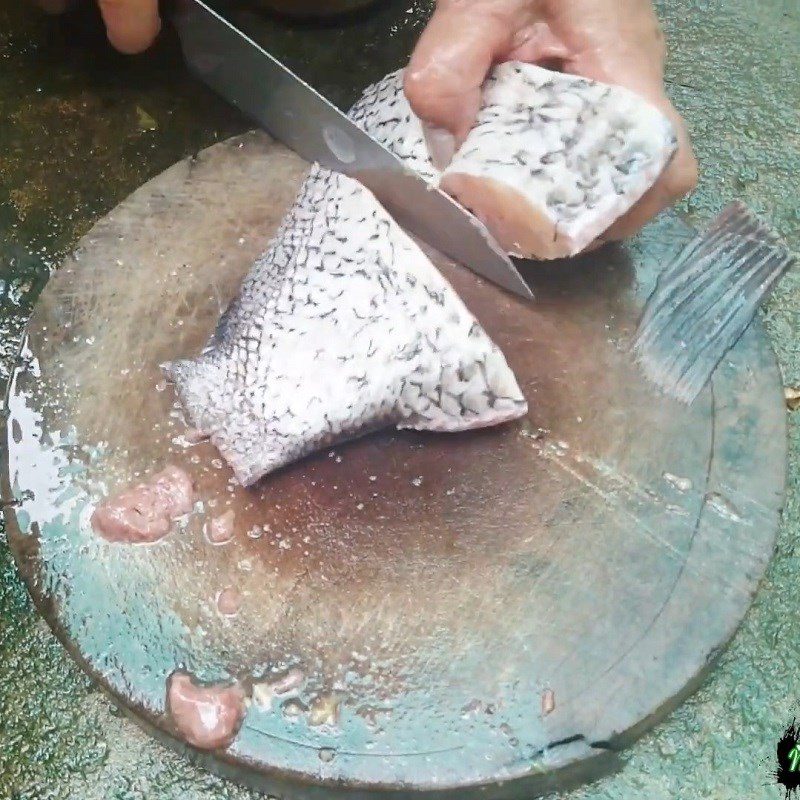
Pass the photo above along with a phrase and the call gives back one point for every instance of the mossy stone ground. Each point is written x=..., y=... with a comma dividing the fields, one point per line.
x=80, y=128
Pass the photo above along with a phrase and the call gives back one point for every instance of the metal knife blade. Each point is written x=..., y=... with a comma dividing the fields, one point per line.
x=248, y=77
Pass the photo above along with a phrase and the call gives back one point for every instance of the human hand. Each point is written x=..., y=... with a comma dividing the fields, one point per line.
x=614, y=41
x=131, y=25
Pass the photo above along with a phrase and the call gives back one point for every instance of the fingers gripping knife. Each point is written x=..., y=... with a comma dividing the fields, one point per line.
x=260, y=86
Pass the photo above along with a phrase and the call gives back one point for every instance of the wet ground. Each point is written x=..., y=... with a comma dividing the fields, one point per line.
x=81, y=128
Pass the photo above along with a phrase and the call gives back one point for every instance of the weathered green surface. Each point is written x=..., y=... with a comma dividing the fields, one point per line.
x=78, y=132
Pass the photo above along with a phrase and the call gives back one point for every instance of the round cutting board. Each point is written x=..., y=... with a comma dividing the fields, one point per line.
x=492, y=613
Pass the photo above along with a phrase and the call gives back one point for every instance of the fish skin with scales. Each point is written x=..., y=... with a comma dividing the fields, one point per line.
x=553, y=160
x=344, y=326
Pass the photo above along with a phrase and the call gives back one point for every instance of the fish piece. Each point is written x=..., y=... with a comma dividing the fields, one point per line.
x=206, y=716
x=385, y=114
x=145, y=513
x=554, y=159
x=221, y=529
x=288, y=683
x=325, y=710
x=344, y=326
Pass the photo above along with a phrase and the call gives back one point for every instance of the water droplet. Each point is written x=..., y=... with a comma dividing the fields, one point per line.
x=221, y=528
x=681, y=484
x=723, y=507
x=417, y=481
x=326, y=754
x=228, y=601
x=292, y=709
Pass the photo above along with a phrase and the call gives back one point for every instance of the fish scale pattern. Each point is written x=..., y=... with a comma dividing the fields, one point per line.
x=554, y=159
x=344, y=326
x=385, y=114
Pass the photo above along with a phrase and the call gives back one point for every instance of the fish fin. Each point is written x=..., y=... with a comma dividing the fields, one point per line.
x=705, y=299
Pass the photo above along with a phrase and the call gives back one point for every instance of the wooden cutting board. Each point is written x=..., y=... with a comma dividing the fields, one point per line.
x=493, y=613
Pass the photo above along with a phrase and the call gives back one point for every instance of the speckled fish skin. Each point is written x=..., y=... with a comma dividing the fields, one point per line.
x=554, y=159
x=344, y=326
x=385, y=114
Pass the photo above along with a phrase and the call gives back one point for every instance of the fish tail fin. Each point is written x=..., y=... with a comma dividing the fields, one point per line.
x=705, y=299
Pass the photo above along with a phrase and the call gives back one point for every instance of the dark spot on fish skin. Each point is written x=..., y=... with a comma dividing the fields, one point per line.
x=552, y=157
x=585, y=185
x=626, y=167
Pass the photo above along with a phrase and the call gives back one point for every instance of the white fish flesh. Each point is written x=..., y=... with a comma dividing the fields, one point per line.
x=344, y=326
x=553, y=159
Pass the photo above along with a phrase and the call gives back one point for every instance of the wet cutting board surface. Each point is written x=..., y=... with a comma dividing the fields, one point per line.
x=510, y=604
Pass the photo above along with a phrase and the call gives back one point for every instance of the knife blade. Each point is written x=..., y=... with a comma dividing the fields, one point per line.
x=260, y=86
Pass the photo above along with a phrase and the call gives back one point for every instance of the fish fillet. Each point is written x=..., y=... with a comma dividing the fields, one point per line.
x=553, y=160
x=344, y=326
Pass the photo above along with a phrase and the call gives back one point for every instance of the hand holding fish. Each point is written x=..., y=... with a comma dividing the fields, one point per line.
x=613, y=41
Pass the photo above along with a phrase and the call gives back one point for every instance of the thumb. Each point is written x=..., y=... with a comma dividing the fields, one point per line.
x=131, y=25
x=447, y=69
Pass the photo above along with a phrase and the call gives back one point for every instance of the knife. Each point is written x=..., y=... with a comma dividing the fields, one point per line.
x=248, y=77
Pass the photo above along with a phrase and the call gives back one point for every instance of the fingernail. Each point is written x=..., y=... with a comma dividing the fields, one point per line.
x=441, y=145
